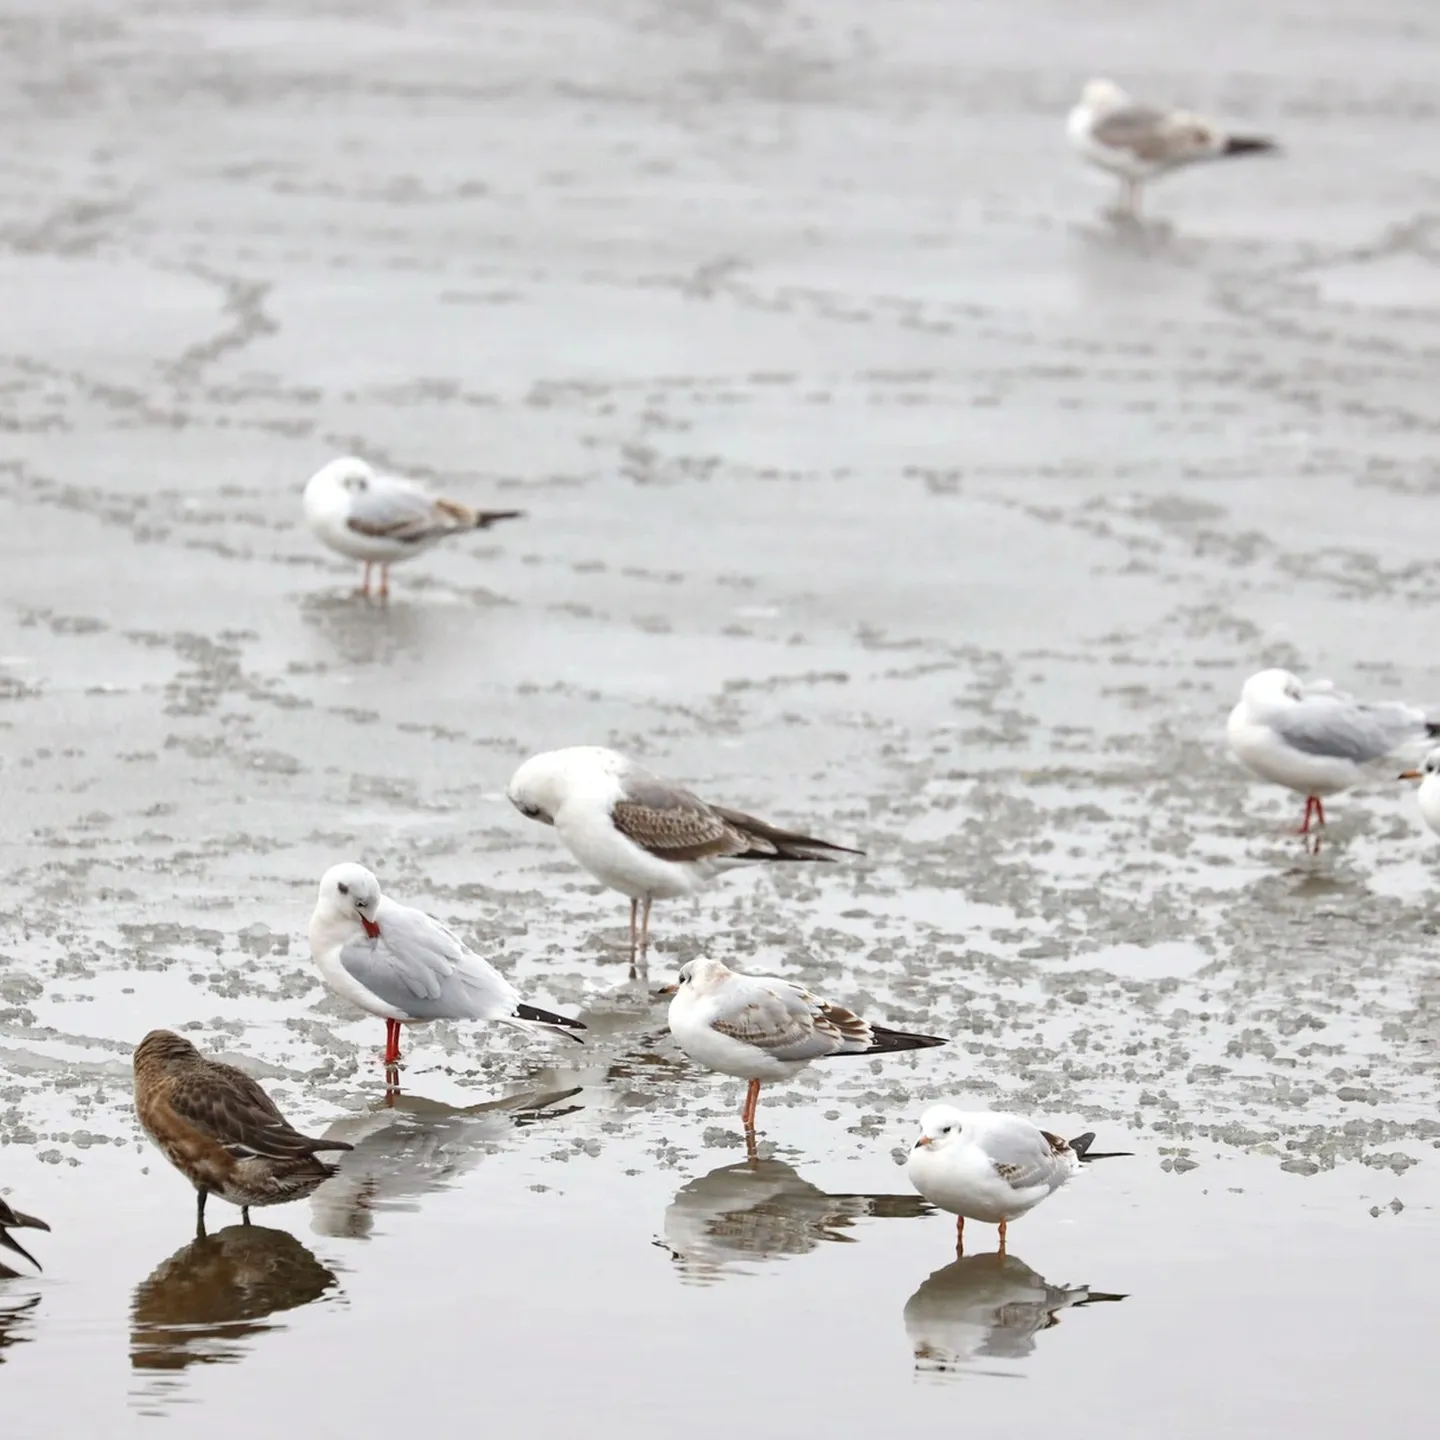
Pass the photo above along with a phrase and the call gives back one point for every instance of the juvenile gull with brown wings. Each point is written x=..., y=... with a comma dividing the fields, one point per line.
x=992, y=1167
x=384, y=519
x=1141, y=142
x=760, y=1027
x=645, y=836
x=220, y=1130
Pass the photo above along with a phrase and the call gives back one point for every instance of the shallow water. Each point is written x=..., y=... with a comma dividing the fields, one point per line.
x=874, y=482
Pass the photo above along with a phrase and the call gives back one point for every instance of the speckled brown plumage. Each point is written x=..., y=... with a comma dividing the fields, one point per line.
x=220, y=1130
x=680, y=826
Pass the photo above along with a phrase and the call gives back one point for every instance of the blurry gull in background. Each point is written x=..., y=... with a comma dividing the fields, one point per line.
x=1141, y=142
x=384, y=519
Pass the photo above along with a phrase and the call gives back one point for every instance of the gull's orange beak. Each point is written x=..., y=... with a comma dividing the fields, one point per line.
x=923, y=1140
x=1410, y=775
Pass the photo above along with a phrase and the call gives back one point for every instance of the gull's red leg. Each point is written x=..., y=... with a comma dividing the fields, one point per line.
x=384, y=581
x=634, y=930
x=1310, y=803
x=1002, y=1236
x=392, y=1042
x=959, y=1237
x=752, y=1099
x=1319, y=810
x=365, y=583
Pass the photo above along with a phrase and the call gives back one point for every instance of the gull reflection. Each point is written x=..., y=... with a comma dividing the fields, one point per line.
x=205, y=1303
x=408, y=1145
x=988, y=1306
x=760, y=1210
x=17, y=1322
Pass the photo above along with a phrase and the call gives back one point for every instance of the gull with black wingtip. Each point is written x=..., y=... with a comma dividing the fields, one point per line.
x=993, y=1168
x=406, y=967
x=384, y=519
x=760, y=1027
x=645, y=836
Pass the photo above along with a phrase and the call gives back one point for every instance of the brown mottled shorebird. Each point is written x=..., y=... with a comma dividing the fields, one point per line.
x=220, y=1130
x=11, y=1219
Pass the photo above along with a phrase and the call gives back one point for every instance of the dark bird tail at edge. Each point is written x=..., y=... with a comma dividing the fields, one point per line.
x=1432, y=727
x=19, y=1221
x=883, y=1041
x=484, y=519
x=1081, y=1146
x=559, y=1024
x=778, y=844
x=1249, y=145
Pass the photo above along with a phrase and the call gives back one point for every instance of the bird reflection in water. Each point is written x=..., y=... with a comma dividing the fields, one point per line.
x=17, y=1320
x=743, y=1215
x=407, y=1146
x=985, y=1307
x=207, y=1302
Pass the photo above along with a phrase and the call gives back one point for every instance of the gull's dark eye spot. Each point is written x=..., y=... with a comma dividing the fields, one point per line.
x=344, y=888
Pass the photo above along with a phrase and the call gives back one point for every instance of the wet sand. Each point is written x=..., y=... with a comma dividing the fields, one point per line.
x=874, y=482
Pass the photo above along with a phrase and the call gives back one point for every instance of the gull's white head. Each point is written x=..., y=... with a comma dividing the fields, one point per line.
x=335, y=482
x=1429, y=771
x=940, y=1125
x=1101, y=94
x=349, y=896
x=700, y=975
x=1272, y=687
x=544, y=782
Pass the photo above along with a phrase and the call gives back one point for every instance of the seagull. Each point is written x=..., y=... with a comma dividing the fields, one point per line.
x=406, y=967
x=220, y=1130
x=384, y=519
x=1140, y=142
x=1429, y=793
x=12, y=1219
x=646, y=837
x=760, y=1027
x=1314, y=738
x=994, y=1168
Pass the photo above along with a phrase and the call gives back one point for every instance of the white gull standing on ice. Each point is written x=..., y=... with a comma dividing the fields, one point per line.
x=400, y=964
x=1141, y=142
x=384, y=519
x=646, y=837
x=1315, y=739
x=993, y=1168
x=760, y=1027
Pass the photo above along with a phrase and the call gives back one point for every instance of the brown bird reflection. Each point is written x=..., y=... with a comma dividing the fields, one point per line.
x=988, y=1306
x=740, y=1216
x=207, y=1302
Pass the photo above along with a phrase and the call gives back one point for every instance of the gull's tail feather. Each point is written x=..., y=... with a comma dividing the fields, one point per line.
x=1081, y=1146
x=467, y=519
x=779, y=844
x=883, y=1041
x=528, y=1017
x=484, y=519
x=1097, y=1297
x=1249, y=145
